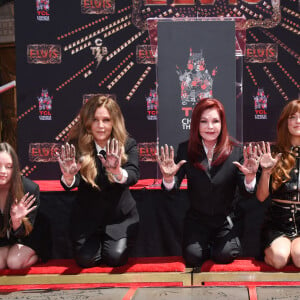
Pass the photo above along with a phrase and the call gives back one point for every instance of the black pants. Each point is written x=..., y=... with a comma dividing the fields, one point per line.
x=100, y=248
x=207, y=238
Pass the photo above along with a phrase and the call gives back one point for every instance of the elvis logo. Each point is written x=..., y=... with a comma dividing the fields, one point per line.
x=45, y=106
x=260, y=104
x=261, y=53
x=196, y=83
x=144, y=54
x=43, y=152
x=43, y=54
x=98, y=7
x=147, y=151
x=152, y=105
x=43, y=10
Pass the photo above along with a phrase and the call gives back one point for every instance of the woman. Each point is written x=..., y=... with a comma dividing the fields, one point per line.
x=214, y=167
x=280, y=180
x=19, y=199
x=102, y=161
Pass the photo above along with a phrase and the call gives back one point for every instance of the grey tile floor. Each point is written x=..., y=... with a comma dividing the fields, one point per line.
x=161, y=293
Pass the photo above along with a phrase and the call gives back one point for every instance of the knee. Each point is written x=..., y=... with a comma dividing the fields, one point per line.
x=85, y=260
x=225, y=255
x=115, y=257
x=296, y=257
x=278, y=259
x=15, y=262
x=2, y=263
x=194, y=255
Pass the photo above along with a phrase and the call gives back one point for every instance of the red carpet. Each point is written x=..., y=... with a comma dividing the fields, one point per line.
x=138, y=264
x=149, y=184
x=244, y=265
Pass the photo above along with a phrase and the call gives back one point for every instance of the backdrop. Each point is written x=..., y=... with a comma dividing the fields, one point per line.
x=65, y=53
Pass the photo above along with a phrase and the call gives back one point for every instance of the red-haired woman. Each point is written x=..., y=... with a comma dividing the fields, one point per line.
x=214, y=165
x=280, y=180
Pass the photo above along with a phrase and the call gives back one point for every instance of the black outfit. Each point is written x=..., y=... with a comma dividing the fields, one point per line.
x=36, y=239
x=210, y=228
x=283, y=219
x=104, y=222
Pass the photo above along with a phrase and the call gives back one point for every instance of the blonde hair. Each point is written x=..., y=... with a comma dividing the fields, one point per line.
x=283, y=145
x=83, y=140
x=15, y=191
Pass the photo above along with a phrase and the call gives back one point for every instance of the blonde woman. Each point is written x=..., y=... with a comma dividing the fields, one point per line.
x=280, y=180
x=102, y=161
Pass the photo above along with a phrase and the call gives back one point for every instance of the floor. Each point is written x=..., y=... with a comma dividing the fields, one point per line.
x=163, y=293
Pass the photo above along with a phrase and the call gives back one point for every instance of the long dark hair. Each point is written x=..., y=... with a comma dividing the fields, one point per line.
x=224, y=143
x=15, y=191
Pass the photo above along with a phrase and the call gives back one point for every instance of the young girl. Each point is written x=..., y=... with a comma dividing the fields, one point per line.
x=280, y=180
x=19, y=199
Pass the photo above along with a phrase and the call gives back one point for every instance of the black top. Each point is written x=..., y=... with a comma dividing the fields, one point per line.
x=289, y=190
x=110, y=207
x=211, y=191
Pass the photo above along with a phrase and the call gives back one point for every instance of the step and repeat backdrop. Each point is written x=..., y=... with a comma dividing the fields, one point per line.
x=68, y=51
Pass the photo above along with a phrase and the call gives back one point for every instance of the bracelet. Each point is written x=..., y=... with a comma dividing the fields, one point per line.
x=116, y=175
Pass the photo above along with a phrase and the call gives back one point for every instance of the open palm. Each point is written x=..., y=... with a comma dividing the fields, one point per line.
x=20, y=209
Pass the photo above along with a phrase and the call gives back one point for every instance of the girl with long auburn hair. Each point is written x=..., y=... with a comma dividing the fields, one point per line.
x=19, y=199
x=214, y=165
x=102, y=161
x=279, y=180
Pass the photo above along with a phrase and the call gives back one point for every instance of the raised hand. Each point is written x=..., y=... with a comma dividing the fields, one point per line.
x=67, y=162
x=20, y=209
x=166, y=163
x=267, y=162
x=112, y=162
x=251, y=162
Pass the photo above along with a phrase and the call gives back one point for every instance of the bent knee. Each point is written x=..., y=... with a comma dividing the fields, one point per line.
x=194, y=255
x=116, y=258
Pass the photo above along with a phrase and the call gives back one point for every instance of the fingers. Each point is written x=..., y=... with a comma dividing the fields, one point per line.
x=167, y=155
x=171, y=152
x=182, y=162
x=245, y=153
x=162, y=153
x=268, y=147
x=259, y=150
x=31, y=209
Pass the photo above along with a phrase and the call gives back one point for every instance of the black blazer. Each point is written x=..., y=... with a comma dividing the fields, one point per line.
x=211, y=191
x=111, y=209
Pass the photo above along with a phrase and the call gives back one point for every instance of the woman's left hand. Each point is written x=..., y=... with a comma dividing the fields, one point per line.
x=112, y=162
x=20, y=209
x=251, y=162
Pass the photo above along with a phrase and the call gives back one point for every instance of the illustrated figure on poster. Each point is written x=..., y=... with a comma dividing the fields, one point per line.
x=260, y=100
x=21, y=234
x=102, y=162
x=195, y=82
x=214, y=165
x=279, y=182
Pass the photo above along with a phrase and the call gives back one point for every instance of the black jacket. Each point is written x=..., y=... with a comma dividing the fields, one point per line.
x=211, y=191
x=109, y=209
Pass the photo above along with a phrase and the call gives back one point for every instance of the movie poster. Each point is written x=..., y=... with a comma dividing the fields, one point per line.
x=196, y=60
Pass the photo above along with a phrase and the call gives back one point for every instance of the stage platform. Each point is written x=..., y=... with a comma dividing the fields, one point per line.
x=163, y=293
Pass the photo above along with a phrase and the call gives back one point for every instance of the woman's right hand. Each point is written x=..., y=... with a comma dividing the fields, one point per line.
x=267, y=162
x=166, y=163
x=67, y=162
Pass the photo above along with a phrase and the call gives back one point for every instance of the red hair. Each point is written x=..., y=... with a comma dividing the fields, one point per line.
x=224, y=144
